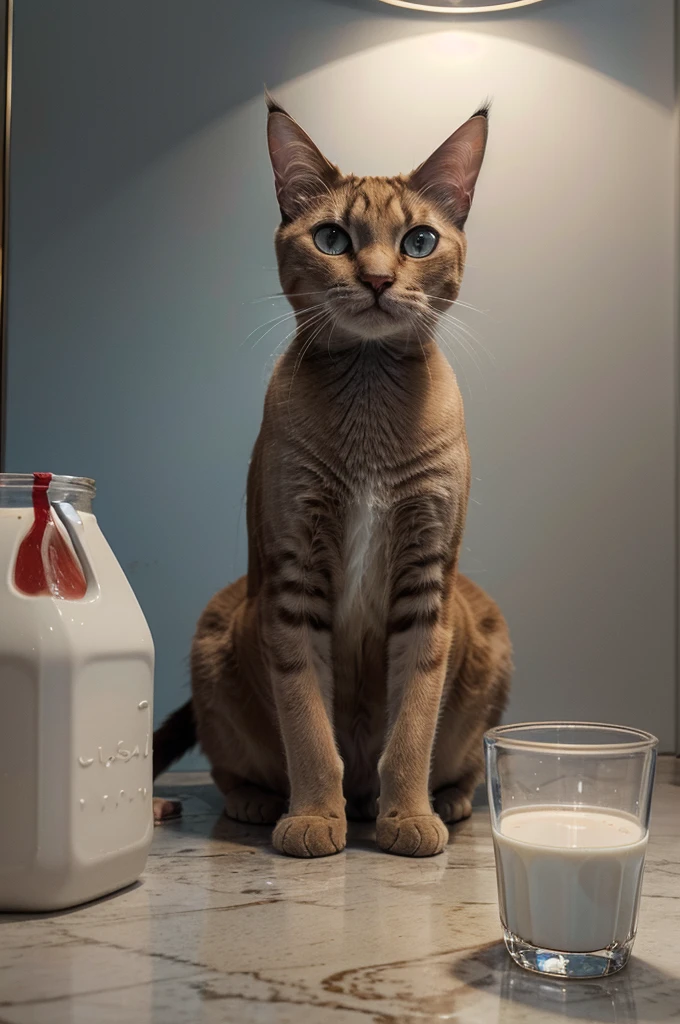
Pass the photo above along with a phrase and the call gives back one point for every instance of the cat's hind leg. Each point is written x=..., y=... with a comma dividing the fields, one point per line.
x=475, y=699
x=454, y=803
x=234, y=721
x=251, y=804
x=247, y=802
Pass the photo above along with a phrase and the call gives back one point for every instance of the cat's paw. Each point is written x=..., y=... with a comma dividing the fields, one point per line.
x=165, y=810
x=452, y=805
x=306, y=835
x=424, y=835
x=253, y=805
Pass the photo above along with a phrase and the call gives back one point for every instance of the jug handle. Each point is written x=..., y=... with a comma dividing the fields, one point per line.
x=73, y=525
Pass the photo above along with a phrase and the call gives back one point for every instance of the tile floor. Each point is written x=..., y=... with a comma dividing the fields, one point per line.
x=222, y=929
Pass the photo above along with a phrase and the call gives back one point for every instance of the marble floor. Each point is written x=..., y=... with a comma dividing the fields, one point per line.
x=222, y=929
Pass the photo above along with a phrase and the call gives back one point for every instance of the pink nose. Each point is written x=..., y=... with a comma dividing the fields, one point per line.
x=378, y=282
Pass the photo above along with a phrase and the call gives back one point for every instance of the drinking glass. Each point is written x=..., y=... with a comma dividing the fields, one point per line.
x=570, y=805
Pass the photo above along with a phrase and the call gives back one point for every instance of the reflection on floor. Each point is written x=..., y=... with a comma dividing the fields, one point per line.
x=222, y=929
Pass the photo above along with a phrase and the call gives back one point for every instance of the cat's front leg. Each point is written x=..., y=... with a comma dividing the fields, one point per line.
x=419, y=639
x=297, y=614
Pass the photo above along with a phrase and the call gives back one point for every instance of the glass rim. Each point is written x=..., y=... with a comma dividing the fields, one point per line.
x=25, y=480
x=503, y=736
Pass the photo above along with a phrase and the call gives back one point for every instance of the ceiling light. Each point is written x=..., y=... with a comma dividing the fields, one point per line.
x=460, y=6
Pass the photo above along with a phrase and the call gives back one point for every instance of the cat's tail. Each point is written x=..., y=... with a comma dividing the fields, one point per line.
x=173, y=738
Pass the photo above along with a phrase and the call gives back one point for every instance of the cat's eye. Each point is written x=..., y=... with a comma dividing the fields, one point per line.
x=332, y=240
x=419, y=242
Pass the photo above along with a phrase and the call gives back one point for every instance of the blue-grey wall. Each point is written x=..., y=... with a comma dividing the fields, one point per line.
x=141, y=221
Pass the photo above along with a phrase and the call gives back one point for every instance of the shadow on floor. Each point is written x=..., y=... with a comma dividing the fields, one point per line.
x=202, y=802
x=640, y=992
x=5, y=918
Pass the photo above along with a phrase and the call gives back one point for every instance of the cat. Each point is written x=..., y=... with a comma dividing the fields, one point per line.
x=353, y=671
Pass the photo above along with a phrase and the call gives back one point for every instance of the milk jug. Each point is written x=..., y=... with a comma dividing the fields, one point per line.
x=76, y=691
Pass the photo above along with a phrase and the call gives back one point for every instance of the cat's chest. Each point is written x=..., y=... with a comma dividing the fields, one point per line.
x=363, y=597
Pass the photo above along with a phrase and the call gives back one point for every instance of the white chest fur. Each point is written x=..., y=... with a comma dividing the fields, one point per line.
x=363, y=599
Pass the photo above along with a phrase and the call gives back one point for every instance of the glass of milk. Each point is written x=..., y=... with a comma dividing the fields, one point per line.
x=570, y=805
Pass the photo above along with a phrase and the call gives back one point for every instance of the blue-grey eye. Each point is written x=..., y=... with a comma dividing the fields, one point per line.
x=332, y=240
x=419, y=242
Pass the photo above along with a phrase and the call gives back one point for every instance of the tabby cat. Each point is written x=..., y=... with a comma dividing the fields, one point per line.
x=352, y=672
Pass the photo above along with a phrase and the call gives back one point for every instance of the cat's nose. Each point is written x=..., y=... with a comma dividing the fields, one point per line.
x=378, y=282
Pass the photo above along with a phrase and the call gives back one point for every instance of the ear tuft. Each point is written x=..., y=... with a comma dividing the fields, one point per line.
x=484, y=110
x=273, y=106
x=449, y=176
x=301, y=172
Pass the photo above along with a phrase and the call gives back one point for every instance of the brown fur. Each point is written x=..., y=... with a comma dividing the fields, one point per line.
x=354, y=670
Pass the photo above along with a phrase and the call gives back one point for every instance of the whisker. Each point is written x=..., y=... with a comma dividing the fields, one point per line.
x=286, y=295
x=457, y=342
x=457, y=302
x=459, y=366
x=427, y=364
x=448, y=316
x=274, y=320
x=319, y=325
x=475, y=309
x=283, y=341
x=328, y=340
x=279, y=320
x=305, y=348
x=461, y=340
x=311, y=321
x=449, y=330
x=470, y=334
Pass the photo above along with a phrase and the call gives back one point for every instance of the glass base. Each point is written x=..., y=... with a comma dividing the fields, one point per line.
x=567, y=965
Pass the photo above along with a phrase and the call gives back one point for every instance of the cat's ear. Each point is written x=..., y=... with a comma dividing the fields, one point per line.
x=449, y=176
x=301, y=171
